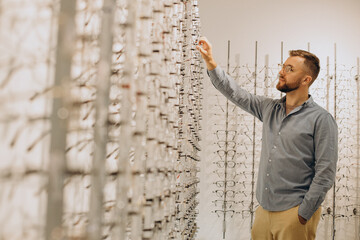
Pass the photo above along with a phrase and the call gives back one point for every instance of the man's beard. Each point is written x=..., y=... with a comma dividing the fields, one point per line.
x=285, y=88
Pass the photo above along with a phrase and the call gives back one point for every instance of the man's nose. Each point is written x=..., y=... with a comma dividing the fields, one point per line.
x=282, y=72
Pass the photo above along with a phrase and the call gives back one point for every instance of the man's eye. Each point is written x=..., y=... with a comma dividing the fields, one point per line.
x=288, y=69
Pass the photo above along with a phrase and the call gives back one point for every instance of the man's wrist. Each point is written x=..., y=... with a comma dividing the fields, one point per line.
x=211, y=65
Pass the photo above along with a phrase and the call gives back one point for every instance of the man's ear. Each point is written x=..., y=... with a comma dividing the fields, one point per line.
x=307, y=80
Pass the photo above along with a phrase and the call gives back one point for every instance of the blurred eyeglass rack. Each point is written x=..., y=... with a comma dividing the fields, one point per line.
x=101, y=111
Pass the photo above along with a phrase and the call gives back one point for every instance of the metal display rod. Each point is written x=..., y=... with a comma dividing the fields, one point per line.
x=254, y=145
x=59, y=118
x=101, y=121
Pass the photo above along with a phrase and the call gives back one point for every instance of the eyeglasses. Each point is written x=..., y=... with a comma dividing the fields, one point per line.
x=226, y=135
x=229, y=174
x=229, y=153
x=224, y=204
x=287, y=68
x=221, y=193
x=228, y=183
x=230, y=144
x=224, y=164
x=246, y=213
x=220, y=213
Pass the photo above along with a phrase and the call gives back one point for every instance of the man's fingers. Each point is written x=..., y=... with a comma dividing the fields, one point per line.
x=205, y=42
x=201, y=50
x=202, y=42
x=203, y=39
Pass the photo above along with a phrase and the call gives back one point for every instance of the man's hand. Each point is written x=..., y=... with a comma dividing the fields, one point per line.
x=205, y=49
x=302, y=220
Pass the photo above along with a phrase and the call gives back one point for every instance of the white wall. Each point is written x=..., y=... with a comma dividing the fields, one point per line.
x=320, y=22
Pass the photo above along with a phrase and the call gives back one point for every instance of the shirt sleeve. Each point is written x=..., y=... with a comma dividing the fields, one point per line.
x=326, y=156
x=250, y=103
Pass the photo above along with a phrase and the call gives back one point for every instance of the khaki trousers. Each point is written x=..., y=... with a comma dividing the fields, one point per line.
x=283, y=225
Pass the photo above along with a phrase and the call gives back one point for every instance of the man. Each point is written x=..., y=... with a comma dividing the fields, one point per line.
x=299, y=147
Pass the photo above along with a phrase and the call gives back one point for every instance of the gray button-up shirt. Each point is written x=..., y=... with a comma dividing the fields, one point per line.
x=299, y=150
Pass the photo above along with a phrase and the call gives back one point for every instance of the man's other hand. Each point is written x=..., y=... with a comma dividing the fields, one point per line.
x=302, y=220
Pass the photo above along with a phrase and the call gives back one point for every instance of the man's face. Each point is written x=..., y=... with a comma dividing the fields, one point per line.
x=291, y=75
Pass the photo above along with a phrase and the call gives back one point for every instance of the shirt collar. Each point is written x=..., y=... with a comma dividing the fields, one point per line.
x=308, y=102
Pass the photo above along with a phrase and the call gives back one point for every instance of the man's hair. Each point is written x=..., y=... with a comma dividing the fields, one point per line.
x=312, y=62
